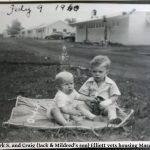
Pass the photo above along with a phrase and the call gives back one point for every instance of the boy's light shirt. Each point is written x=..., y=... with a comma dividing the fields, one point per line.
x=107, y=89
x=63, y=99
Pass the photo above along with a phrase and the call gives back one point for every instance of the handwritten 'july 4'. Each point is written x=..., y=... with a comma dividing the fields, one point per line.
x=22, y=8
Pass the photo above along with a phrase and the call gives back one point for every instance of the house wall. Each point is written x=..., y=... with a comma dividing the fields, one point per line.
x=23, y=33
x=32, y=33
x=41, y=33
x=118, y=31
x=29, y=32
x=59, y=26
x=5, y=34
x=128, y=29
x=45, y=30
x=95, y=32
x=80, y=34
x=139, y=29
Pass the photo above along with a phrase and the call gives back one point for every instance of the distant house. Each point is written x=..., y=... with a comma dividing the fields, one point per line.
x=31, y=33
x=22, y=33
x=1, y=35
x=132, y=28
x=44, y=30
x=28, y=33
x=5, y=34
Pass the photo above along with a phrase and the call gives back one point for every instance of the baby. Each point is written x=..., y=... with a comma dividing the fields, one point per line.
x=68, y=101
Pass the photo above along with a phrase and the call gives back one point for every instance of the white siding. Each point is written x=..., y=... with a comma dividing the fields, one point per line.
x=59, y=26
x=119, y=30
x=80, y=35
x=117, y=33
x=31, y=33
x=96, y=34
x=139, y=29
x=129, y=29
x=5, y=34
x=44, y=30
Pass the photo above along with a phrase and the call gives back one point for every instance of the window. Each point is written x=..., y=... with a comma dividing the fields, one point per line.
x=97, y=25
x=80, y=26
x=29, y=31
x=94, y=25
x=100, y=24
x=64, y=30
x=90, y=25
x=113, y=23
x=54, y=30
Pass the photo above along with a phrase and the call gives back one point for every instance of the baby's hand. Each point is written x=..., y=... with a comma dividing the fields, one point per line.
x=106, y=103
x=92, y=99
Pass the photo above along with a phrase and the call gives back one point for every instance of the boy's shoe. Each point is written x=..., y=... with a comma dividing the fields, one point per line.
x=115, y=121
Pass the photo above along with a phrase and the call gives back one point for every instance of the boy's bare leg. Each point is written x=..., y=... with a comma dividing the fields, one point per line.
x=112, y=115
x=58, y=117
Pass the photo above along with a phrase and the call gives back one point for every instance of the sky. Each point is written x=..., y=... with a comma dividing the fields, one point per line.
x=30, y=15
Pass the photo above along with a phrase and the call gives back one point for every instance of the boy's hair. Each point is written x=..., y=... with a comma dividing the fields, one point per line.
x=64, y=75
x=100, y=60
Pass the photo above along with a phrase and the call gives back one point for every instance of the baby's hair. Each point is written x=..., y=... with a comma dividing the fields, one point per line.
x=100, y=60
x=64, y=75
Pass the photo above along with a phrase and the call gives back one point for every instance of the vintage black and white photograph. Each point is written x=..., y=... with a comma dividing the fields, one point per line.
x=74, y=72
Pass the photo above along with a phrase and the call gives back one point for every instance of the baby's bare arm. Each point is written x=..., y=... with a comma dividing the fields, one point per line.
x=82, y=97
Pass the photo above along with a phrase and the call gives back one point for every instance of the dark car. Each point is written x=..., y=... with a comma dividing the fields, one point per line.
x=70, y=37
x=55, y=36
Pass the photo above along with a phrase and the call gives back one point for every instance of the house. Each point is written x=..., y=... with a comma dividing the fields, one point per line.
x=58, y=26
x=5, y=34
x=23, y=33
x=128, y=28
x=44, y=30
x=1, y=35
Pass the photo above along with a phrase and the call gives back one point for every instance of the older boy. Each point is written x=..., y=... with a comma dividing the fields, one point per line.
x=68, y=101
x=101, y=85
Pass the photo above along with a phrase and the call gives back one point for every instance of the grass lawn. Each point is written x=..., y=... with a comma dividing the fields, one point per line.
x=28, y=68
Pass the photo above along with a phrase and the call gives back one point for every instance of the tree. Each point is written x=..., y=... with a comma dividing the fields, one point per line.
x=70, y=20
x=15, y=28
